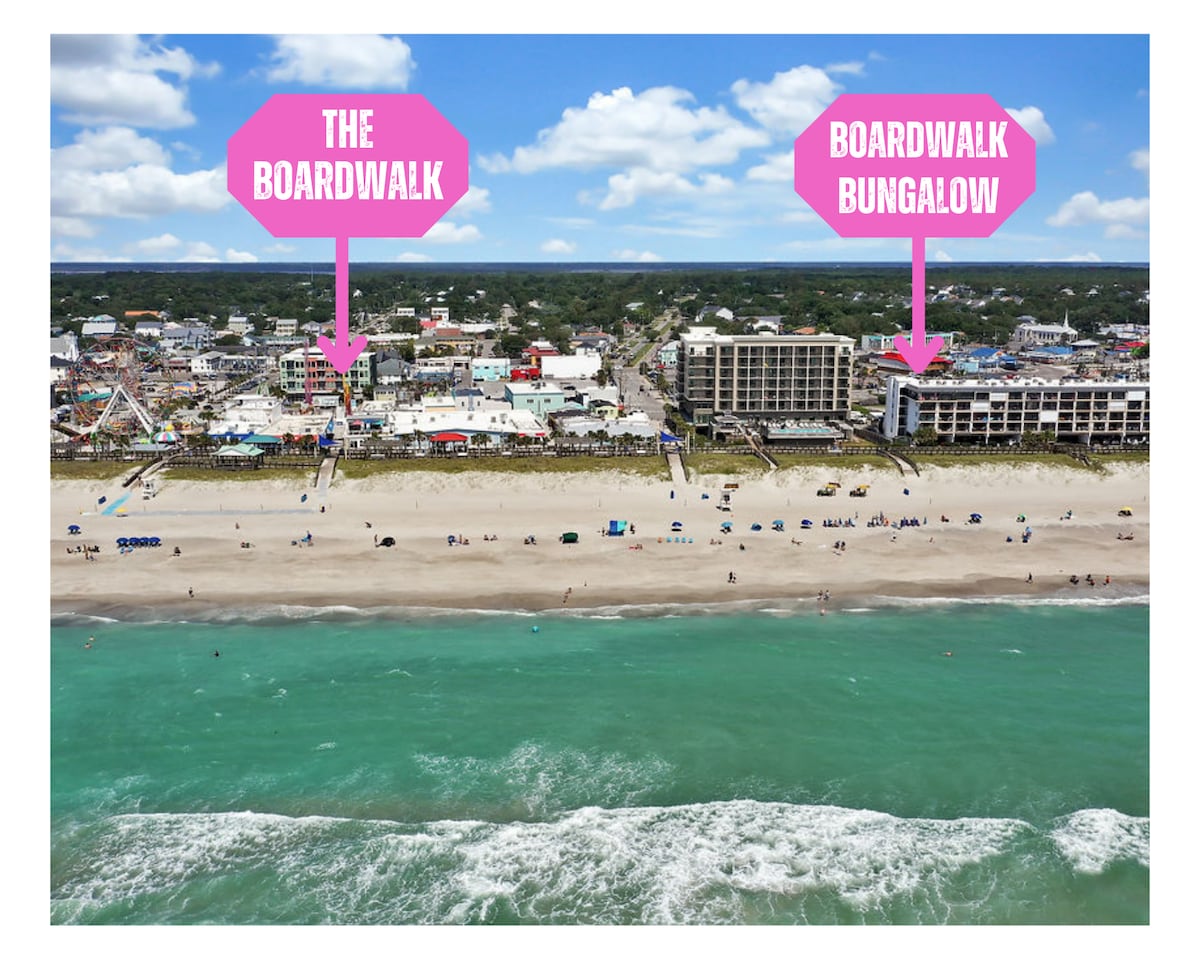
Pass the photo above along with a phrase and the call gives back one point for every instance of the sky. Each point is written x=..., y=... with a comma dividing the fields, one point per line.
x=585, y=148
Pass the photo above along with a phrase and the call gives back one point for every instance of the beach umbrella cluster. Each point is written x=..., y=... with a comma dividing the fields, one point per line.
x=128, y=543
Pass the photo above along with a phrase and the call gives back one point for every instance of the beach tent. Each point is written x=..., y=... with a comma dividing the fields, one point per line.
x=388, y=542
x=616, y=528
x=726, y=527
x=805, y=524
x=570, y=537
x=777, y=525
x=756, y=526
x=677, y=525
x=74, y=528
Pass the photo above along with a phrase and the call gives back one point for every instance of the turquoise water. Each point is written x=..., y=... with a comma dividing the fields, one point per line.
x=714, y=767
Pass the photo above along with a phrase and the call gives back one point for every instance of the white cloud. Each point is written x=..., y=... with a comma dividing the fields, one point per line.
x=854, y=67
x=475, y=200
x=654, y=130
x=239, y=256
x=366, y=61
x=624, y=189
x=640, y=256
x=200, y=252
x=941, y=256
x=71, y=227
x=555, y=245
x=154, y=247
x=279, y=248
x=445, y=231
x=116, y=79
x=64, y=251
x=778, y=168
x=143, y=190
x=1140, y=160
x=1034, y=122
x=110, y=148
x=410, y=257
x=1086, y=208
x=790, y=101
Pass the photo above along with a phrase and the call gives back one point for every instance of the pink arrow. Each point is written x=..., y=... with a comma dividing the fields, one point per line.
x=344, y=352
x=916, y=352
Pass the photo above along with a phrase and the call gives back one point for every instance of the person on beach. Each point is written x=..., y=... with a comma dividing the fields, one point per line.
x=88, y=645
x=1029, y=578
x=191, y=593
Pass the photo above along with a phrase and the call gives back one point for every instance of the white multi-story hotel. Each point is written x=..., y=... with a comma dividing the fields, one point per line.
x=760, y=376
x=997, y=411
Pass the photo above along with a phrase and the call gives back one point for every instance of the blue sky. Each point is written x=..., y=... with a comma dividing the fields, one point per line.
x=588, y=148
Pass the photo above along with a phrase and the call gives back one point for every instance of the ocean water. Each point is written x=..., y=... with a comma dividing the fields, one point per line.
x=655, y=766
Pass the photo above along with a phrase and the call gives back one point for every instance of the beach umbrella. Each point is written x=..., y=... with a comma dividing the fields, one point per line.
x=166, y=436
x=122, y=541
x=756, y=526
x=73, y=528
x=806, y=523
x=155, y=541
x=677, y=525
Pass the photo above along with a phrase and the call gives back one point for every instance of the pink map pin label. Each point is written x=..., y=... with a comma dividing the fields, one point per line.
x=915, y=165
x=347, y=165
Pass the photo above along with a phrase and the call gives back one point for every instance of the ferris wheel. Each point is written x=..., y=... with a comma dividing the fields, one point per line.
x=118, y=387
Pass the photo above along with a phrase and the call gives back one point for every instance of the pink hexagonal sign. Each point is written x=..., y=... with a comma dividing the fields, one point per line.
x=915, y=165
x=347, y=165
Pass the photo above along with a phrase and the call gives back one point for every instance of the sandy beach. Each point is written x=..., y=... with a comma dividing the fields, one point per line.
x=342, y=566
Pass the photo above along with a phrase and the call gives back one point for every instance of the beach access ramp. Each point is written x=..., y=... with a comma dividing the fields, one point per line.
x=675, y=463
x=325, y=475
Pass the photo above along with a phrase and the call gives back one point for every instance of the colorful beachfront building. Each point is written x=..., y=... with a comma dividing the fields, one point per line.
x=763, y=376
x=1002, y=411
x=308, y=371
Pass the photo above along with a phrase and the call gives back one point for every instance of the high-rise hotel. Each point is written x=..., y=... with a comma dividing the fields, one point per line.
x=763, y=376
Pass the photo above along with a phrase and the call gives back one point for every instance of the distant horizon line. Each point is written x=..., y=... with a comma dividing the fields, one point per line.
x=172, y=265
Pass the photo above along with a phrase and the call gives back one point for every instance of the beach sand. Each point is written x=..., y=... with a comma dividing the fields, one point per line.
x=208, y=521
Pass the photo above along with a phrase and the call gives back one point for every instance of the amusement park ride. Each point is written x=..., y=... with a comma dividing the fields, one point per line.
x=108, y=390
